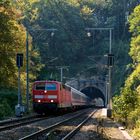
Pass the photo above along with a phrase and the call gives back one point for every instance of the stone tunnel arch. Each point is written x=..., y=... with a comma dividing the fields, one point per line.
x=93, y=93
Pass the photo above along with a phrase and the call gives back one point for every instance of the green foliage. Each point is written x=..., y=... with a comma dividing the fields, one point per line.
x=135, y=131
x=129, y=96
x=13, y=41
x=128, y=101
x=8, y=100
x=121, y=68
x=133, y=118
x=124, y=104
x=70, y=43
x=5, y=109
x=10, y=95
x=135, y=30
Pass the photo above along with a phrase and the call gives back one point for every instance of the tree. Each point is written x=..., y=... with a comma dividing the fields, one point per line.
x=128, y=101
x=135, y=30
x=11, y=41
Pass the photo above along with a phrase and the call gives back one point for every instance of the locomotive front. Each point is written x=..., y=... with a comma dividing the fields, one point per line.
x=45, y=96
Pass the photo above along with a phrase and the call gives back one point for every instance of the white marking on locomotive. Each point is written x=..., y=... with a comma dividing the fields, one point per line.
x=39, y=96
x=52, y=96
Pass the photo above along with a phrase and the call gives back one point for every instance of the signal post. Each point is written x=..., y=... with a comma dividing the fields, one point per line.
x=19, y=108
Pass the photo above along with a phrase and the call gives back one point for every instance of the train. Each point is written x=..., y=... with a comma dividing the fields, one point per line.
x=52, y=96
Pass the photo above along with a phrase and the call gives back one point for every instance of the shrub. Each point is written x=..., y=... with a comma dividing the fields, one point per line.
x=8, y=100
x=5, y=109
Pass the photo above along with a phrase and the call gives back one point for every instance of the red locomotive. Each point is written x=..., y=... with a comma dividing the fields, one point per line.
x=53, y=95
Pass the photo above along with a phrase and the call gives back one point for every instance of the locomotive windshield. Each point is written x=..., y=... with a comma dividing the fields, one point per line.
x=40, y=86
x=45, y=86
x=50, y=86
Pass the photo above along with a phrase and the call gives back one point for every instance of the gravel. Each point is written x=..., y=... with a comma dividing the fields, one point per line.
x=106, y=130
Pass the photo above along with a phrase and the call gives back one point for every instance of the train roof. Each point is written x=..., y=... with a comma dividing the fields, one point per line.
x=78, y=92
x=47, y=81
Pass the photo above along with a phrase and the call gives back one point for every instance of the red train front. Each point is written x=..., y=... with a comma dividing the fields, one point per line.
x=49, y=96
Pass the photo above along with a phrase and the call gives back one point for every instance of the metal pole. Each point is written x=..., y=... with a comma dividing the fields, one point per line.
x=109, y=89
x=110, y=69
x=110, y=40
x=27, y=72
x=93, y=38
x=19, y=93
x=106, y=90
x=61, y=69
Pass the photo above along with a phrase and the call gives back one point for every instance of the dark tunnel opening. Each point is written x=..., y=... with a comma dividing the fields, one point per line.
x=94, y=93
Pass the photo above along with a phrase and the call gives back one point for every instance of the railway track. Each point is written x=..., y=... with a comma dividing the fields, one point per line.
x=74, y=131
x=10, y=124
x=81, y=118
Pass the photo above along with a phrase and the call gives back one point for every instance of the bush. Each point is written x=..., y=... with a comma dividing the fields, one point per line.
x=133, y=118
x=136, y=131
x=10, y=95
x=5, y=110
x=8, y=100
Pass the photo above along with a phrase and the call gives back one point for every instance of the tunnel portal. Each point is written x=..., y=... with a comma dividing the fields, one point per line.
x=94, y=93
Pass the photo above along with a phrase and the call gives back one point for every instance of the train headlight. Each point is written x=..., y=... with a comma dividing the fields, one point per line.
x=52, y=101
x=45, y=91
x=38, y=101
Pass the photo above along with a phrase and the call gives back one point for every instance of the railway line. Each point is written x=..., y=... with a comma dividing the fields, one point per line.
x=82, y=124
x=77, y=119
x=77, y=125
x=40, y=128
x=13, y=123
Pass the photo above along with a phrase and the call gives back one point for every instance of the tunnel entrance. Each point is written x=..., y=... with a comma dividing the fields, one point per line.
x=94, y=93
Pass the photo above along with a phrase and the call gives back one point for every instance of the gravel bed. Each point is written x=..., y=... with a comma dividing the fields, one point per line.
x=106, y=130
x=89, y=130
x=63, y=130
x=20, y=132
x=111, y=130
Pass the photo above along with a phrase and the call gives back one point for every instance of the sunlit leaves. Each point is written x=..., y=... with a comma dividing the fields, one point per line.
x=134, y=21
x=86, y=10
x=25, y=9
x=130, y=93
x=9, y=40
